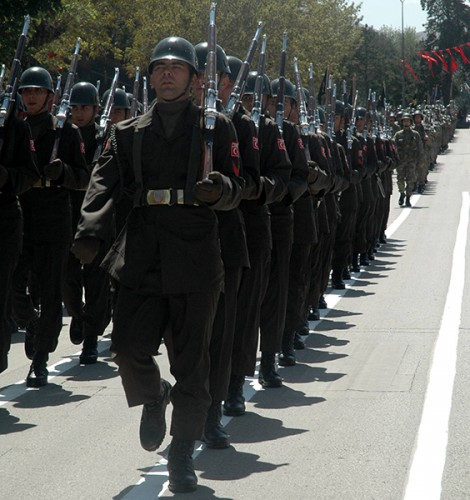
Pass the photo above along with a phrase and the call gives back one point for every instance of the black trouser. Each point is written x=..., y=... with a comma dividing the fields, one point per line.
x=273, y=307
x=250, y=295
x=45, y=263
x=185, y=321
x=10, y=235
x=299, y=284
x=223, y=332
x=96, y=312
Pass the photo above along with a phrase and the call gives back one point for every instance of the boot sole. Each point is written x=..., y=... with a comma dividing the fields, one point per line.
x=233, y=413
x=183, y=488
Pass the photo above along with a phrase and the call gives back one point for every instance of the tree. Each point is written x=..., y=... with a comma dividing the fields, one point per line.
x=448, y=26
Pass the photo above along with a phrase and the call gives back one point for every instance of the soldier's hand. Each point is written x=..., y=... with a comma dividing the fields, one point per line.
x=54, y=170
x=86, y=249
x=209, y=190
x=312, y=172
x=3, y=176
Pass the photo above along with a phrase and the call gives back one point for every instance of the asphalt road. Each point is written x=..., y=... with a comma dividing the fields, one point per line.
x=377, y=407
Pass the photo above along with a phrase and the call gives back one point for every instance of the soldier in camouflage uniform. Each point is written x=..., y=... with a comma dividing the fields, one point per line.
x=410, y=150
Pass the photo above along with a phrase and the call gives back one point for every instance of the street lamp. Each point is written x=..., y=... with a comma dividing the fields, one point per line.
x=402, y=55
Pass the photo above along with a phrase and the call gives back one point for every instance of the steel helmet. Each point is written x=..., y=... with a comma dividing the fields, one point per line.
x=84, y=94
x=251, y=82
x=289, y=89
x=221, y=58
x=174, y=48
x=121, y=101
x=36, y=77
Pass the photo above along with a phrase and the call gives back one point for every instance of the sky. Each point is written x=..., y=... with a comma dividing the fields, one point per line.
x=378, y=13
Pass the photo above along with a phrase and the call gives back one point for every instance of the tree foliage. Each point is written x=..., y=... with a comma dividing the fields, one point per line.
x=448, y=25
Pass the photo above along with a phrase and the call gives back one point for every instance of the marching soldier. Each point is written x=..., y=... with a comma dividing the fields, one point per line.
x=410, y=151
x=234, y=249
x=167, y=258
x=47, y=219
x=89, y=320
x=17, y=175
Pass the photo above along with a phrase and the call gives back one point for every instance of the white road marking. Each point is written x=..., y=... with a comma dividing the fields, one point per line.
x=425, y=476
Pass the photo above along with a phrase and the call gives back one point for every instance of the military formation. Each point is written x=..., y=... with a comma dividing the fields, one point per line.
x=212, y=220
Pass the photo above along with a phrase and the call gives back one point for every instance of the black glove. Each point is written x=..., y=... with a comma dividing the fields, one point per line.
x=209, y=190
x=54, y=170
x=3, y=176
x=86, y=249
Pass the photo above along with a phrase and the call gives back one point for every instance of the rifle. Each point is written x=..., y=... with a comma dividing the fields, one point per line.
x=2, y=76
x=105, y=117
x=351, y=124
x=98, y=85
x=314, y=117
x=303, y=120
x=57, y=96
x=258, y=90
x=344, y=95
x=135, y=93
x=239, y=85
x=331, y=109
x=281, y=85
x=64, y=108
x=210, y=97
x=145, y=95
x=13, y=80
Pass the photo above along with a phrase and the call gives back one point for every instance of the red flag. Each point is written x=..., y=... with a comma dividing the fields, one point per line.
x=429, y=59
x=441, y=58
x=461, y=51
x=453, y=62
x=407, y=67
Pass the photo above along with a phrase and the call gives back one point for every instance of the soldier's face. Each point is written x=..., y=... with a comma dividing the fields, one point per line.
x=360, y=124
x=171, y=80
x=198, y=89
x=82, y=116
x=36, y=100
x=247, y=101
x=117, y=115
x=406, y=122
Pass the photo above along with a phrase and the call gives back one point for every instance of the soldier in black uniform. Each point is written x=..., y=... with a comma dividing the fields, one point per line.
x=167, y=259
x=274, y=306
x=275, y=169
x=234, y=249
x=17, y=175
x=47, y=219
x=89, y=319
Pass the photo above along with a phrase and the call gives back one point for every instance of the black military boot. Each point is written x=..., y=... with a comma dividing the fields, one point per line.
x=337, y=279
x=180, y=466
x=346, y=274
x=408, y=201
x=322, y=303
x=152, y=423
x=76, y=331
x=401, y=199
x=37, y=376
x=299, y=343
x=355, y=267
x=364, y=261
x=89, y=353
x=313, y=315
x=305, y=328
x=287, y=355
x=383, y=238
x=234, y=405
x=214, y=434
x=268, y=376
